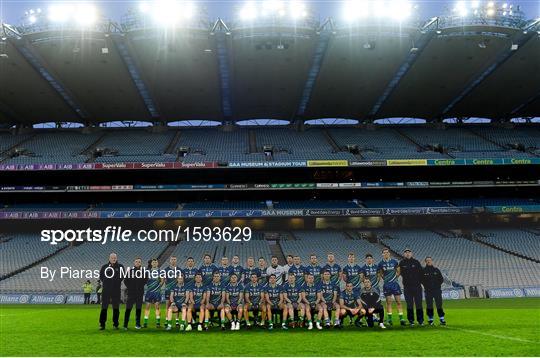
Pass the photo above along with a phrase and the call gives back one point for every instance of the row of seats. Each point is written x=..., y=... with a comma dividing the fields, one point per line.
x=519, y=242
x=212, y=144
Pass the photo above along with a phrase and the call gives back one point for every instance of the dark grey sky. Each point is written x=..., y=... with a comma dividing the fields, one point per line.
x=11, y=11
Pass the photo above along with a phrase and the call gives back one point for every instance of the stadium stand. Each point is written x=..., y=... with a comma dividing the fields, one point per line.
x=51, y=147
x=516, y=241
x=218, y=145
x=23, y=250
x=82, y=257
x=465, y=261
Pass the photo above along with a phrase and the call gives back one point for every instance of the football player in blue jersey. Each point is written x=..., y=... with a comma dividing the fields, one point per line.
x=334, y=268
x=237, y=268
x=352, y=271
x=350, y=304
x=298, y=270
x=207, y=269
x=250, y=269
x=263, y=271
x=234, y=302
x=153, y=292
x=179, y=304
x=197, y=293
x=371, y=271
x=389, y=272
x=311, y=297
x=172, y=272
x=189, y=271
x=329, y=299
x=254, y=300
x=313, y=268
x=225, y=270
x=214, y=300
x=274, y=301
x=292, y=299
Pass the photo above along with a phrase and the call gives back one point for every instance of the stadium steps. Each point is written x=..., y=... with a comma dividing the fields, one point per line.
x=486, y=139
x=331, y=140
x=174, y=141
x=277, y=250
x=252, y=141
x=478, y=238
x=35, y=263
x=88, y=150
x=167, y=252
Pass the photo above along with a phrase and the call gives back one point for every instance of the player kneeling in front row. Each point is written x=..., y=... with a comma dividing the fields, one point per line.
x=292, y=299
x=197, y=294
x=350, y=304
x=178, y=305
x=329, y=302
x=371, y=304
x=234, y=302
x=254, y=298
x=312, y=297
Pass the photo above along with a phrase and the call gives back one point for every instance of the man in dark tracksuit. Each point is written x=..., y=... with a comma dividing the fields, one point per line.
x=111, y=280
x=411, y=272
x=371, y=304
x=135, y=281
x=432, y=280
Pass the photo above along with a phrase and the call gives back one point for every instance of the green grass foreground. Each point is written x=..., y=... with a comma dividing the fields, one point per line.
x=502, y=327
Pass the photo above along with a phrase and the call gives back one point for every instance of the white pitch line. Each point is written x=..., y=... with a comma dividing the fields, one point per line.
x=494, y=335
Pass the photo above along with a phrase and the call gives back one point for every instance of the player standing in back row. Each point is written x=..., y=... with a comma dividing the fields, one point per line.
x=389, y=272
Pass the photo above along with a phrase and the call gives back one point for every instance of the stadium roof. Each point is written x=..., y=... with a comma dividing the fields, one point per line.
x=365, y=71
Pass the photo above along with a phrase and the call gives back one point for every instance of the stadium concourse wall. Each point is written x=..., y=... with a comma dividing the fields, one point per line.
x=272, y=164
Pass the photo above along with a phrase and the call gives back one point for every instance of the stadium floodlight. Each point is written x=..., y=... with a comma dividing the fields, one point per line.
x=82, y=14
x=355, y=10
x=475, y=4
x=297, y=9
x=272, y=7
x=248, y=12
x=461, y=9
x=32, y=19
x=379, y=9
x=167, y=12
x=490, y=12
x=400, y=9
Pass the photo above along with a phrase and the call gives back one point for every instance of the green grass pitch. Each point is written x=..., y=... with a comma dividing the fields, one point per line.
x=503, y=327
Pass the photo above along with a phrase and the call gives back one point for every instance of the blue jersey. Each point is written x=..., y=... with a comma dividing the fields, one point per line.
x=350, y=299
x=226, y=273
x=207, y=272
x=273, y=293
x=335, y=270
x=248, y=271
x=311, y=292
x=214, y=290
x=292, y=291
x=254, y=291
x=328, y=289
x=352, y=274
x=154, y=283
x=189, y=275
x=371, y=272
x=299, y=272
x=238, y=271
x=197, y=290
x=170, y=280
x=389, y=267
x=314, y=270
x=236, y=293
x=263, y=275
x=179, y=293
